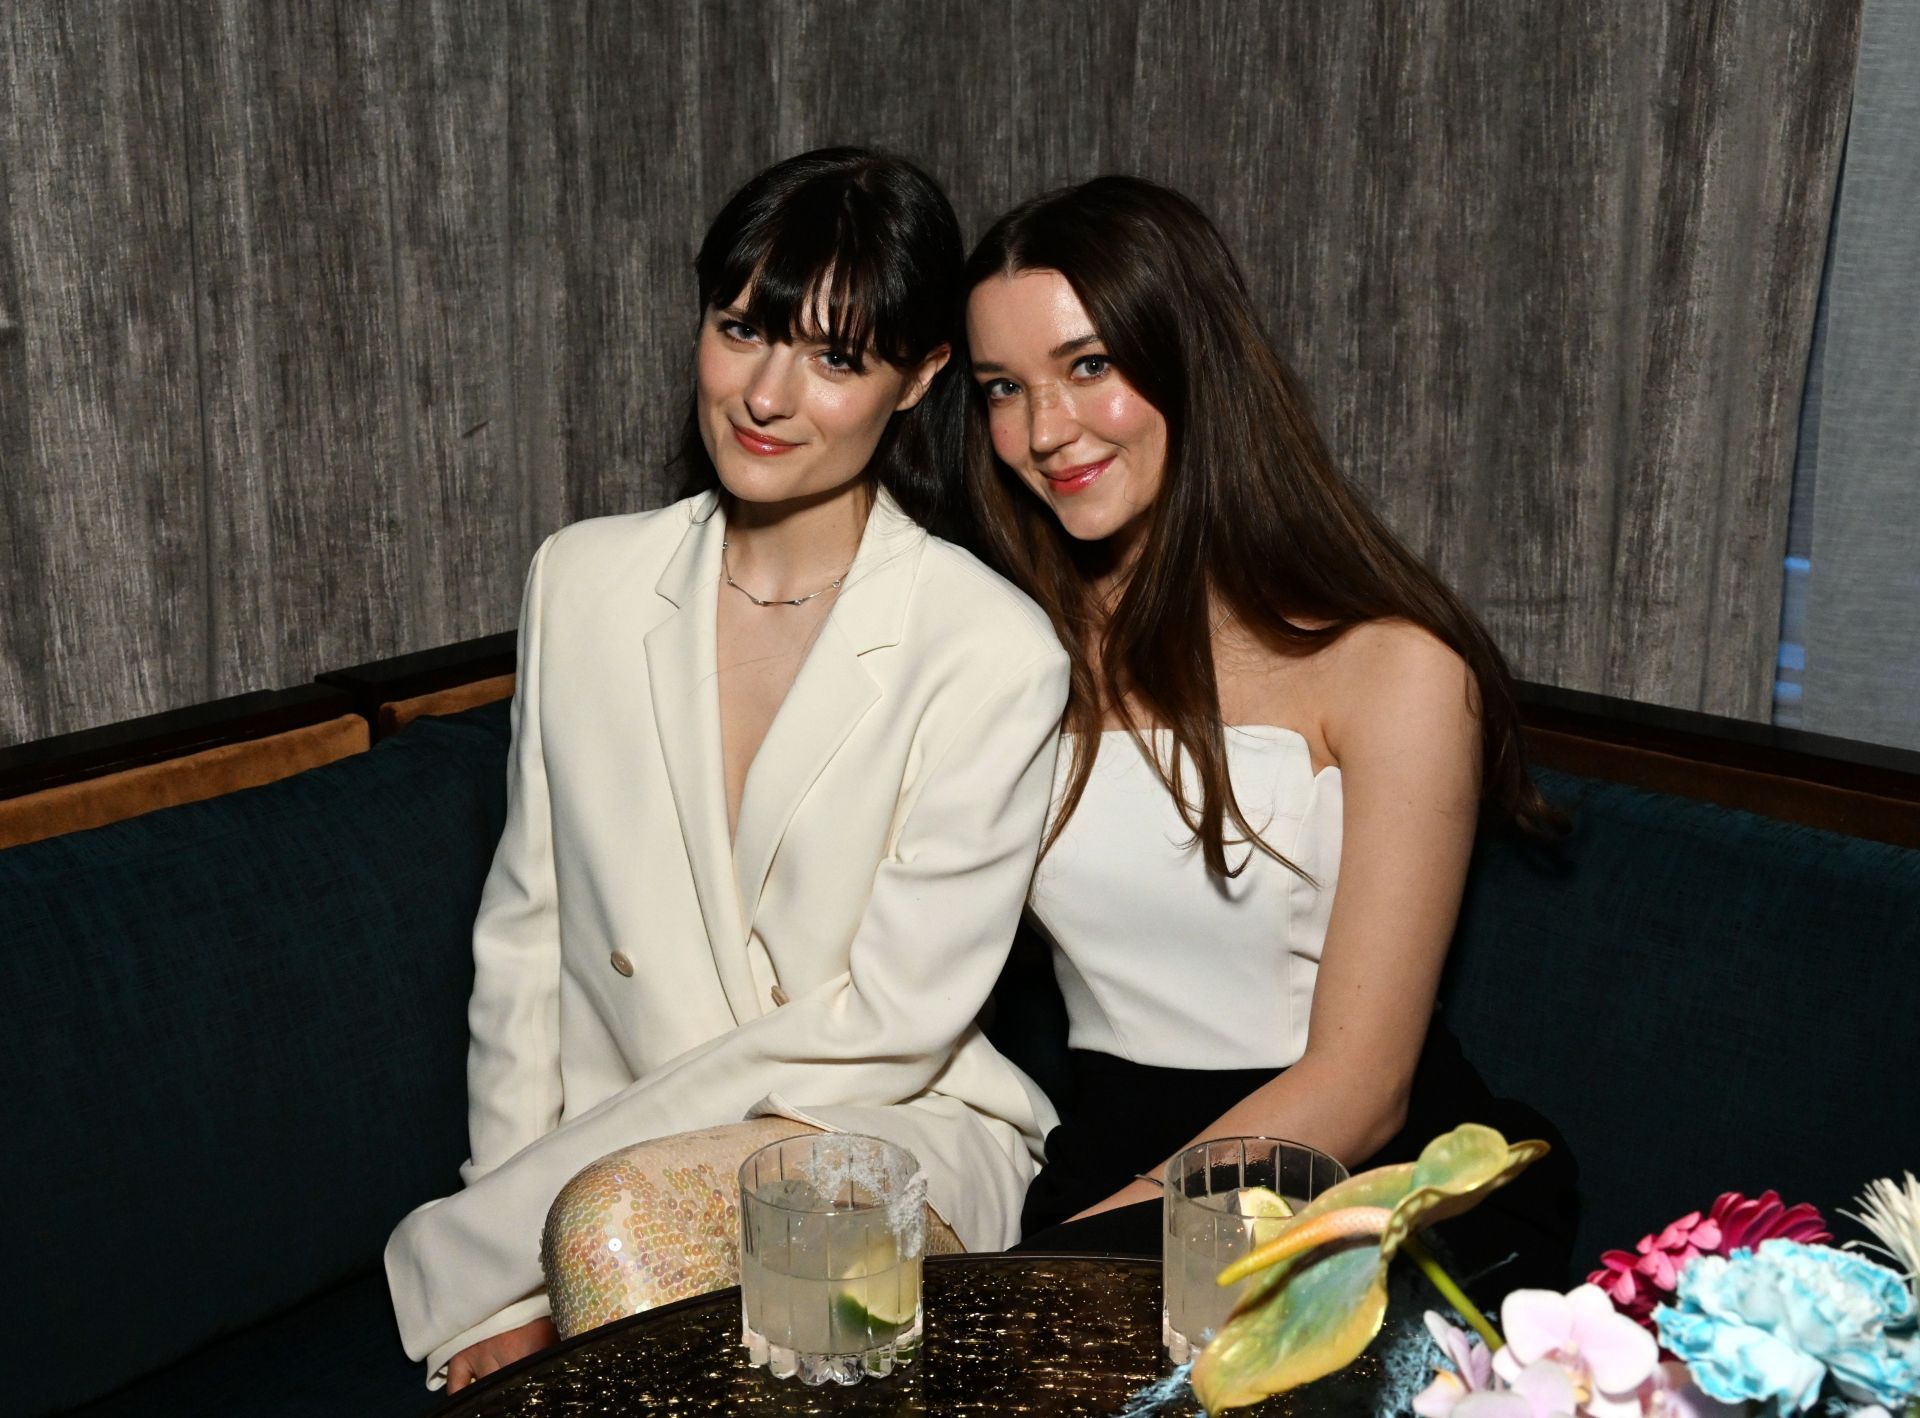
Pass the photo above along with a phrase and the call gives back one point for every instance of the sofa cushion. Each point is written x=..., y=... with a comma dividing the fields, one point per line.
x=235, y=1038
x=336, y=1356
x=1701, y=999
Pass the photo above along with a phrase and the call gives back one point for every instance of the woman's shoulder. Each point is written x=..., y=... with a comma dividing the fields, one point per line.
x=615, y=543
x=1392, y=681
x=958, y=594
x=1378, y=653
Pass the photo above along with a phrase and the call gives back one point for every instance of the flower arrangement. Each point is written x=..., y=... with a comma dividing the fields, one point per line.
x=1745, y=1309
x=1639, y=1279
x=1754, y=1314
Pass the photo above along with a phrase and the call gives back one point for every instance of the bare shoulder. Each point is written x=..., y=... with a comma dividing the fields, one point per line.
x=1390, y=683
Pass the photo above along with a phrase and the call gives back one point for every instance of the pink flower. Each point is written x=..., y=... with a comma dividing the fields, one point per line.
x=1567, y=1356
x=1604, y=1356
x=1670, y=1393
x=1541, y=1390
x=1638, y=1280
x=1472, y=1370
x=1745, y=1222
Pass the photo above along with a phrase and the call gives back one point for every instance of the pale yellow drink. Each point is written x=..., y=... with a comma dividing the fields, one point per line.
x=832, y=1230
x=1223, y=1198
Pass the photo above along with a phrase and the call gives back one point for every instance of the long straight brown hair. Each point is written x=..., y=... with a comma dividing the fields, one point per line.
x=1266, y=523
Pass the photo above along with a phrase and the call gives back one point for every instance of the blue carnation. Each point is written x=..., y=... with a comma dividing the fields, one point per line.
x=1773, y=1324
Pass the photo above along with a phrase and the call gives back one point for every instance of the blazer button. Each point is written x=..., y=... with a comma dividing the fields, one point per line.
x=622, y=964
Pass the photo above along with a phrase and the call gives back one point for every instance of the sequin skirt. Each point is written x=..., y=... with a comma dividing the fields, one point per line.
x=659, y=1221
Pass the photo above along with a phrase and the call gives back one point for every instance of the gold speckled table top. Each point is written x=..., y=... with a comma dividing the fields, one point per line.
x=1005, y=1334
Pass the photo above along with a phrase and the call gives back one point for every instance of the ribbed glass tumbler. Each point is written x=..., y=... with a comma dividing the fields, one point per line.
x=1223, y=1198
x=832, y=1229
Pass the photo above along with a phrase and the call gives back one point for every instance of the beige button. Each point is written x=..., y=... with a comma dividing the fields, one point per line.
x=778, y=996
x=622, y=964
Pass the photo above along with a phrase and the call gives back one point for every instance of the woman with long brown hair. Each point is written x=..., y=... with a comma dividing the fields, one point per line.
x=1282, y=731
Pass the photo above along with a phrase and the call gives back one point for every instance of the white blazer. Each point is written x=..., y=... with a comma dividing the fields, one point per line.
x=626, y=954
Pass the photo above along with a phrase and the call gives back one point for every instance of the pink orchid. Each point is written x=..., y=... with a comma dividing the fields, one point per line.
x=1670, y=1393
x=1567, y=1356
x=1605, y=1356
x=1541, y=1390
x=1472, y=1370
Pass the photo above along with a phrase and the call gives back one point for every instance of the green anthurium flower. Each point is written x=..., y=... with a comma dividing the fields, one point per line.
x=1320, y=1292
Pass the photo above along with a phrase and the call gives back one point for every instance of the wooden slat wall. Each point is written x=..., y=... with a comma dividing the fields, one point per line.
x=316, y=315
x=102, y=490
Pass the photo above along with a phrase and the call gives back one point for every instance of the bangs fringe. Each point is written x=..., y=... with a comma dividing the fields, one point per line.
x=817, y=256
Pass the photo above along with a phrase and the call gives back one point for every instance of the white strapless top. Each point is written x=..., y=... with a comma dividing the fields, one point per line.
x=1161, y=962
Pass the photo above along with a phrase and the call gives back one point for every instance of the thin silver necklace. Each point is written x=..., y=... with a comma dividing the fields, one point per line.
x=727, y=572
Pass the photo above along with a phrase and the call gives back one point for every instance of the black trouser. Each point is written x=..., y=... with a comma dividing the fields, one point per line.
x=1126, y=1118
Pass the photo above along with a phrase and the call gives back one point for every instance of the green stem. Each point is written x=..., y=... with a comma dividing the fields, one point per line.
x=1455, y=1296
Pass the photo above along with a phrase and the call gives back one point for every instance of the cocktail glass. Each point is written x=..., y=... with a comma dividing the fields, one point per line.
x=832, y=1229
x=1220, y=1203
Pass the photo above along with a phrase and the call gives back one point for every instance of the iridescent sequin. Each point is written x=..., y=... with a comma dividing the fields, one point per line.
x=657, y=1222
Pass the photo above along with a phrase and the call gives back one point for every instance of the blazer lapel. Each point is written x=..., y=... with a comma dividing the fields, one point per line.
x=830, y=694
x=683, y=678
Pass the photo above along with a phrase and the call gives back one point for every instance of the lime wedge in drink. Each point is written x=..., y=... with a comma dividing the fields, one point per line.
x=1266, y=1212
x=875, y=1294
x=877, y=1306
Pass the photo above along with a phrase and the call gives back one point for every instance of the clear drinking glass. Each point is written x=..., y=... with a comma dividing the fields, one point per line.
x=1218, y=1206
x=832, y=1228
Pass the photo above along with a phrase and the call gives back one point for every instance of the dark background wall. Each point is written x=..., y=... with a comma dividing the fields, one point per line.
x=315, y=315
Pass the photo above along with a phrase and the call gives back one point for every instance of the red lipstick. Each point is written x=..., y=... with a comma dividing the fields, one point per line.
x=760, y=443
x=1068, y=481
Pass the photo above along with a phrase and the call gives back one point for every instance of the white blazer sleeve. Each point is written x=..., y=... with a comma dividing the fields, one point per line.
x=513, y=1060
x=513, y=1016
x=935, y=934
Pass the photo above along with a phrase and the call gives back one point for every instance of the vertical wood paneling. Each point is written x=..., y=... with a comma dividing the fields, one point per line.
x=1748, y=167
x=742, y=55
x=309, y=450
x=315, y=315
x=1553, y=327
x=610, y=139
x=101, y=513
x=932, y=82
x=536, y=292
x=25, y=653
x=1075, y=79
x=467, y=532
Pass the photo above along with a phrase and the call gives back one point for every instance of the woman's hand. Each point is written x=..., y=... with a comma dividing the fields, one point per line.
x=497, y=1351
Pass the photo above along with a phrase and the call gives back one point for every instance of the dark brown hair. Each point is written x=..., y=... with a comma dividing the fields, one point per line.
x=876, y=237
x=1271, y=527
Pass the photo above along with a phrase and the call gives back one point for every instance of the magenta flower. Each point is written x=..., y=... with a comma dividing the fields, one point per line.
x=1646, y=1276
x=1639, y=1279
x=1744, y=1223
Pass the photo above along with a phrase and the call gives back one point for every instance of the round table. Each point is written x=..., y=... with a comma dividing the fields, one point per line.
x=1005, y=1334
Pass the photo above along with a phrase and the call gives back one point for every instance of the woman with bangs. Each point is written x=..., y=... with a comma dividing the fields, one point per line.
x=1283, y=734
x=781, y=761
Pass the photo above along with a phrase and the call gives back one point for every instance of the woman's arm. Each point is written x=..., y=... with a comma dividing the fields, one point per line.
x=1400, y=719
x=513, y=1016
x=938, y=923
